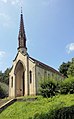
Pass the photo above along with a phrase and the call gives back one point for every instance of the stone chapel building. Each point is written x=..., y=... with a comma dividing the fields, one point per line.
x=26, y=71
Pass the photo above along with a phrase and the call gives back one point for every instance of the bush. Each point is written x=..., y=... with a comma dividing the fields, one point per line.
x=67, y=86
x=49, y=87
x=3, y=90
x=63, y=113
x=41, y=116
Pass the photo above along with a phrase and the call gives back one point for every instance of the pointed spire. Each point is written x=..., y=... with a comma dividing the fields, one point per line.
x=21, y=36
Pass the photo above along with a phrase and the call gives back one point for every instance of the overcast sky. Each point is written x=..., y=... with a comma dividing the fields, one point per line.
x=49, y=26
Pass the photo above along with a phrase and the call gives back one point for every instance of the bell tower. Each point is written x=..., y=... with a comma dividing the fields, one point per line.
x=22, y=36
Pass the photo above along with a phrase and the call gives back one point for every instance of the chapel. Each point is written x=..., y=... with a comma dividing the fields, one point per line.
x=26, y=72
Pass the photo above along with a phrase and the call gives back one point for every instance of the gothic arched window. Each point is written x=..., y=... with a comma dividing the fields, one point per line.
x=12, y=81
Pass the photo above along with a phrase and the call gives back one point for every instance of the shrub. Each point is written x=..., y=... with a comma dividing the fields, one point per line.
x=67, y=86
x=48, y=87
x=41, y=116
x=62, y=113
x=3, y=90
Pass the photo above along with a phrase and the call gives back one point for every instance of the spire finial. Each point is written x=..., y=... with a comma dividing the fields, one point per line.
x=21, y=10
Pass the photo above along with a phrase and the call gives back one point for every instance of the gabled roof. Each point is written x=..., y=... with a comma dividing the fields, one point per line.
x=42, y=65
x=46, y=66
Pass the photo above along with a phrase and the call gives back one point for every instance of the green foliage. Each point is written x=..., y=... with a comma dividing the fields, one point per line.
x=4, y=81
x=52, y=87
x=64, y=68
x=67, y=68
x=63, y=113
x=1, y=76
x=67, y=86
x=71, y=68
x=4, y=77
x=1, y=93
x=42, y=108
x=48, y=87
x=3, y=90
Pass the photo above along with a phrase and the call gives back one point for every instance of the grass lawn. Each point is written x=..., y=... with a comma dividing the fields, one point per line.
x=27, y=109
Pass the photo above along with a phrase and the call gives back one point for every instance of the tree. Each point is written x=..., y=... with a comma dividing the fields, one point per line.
x=67, y=85
x=6, y=76
x=64, y=68
x=71, y=68
x=4, y=81
x=1, y=76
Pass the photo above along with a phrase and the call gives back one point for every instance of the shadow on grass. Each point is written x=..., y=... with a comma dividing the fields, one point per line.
x=63, y=113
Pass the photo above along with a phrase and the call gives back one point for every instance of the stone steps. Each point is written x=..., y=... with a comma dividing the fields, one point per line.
x=26, y=99
x=3, y=101
x=8, y=103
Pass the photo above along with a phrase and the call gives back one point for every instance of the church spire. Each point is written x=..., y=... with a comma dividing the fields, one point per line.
x=21, y=36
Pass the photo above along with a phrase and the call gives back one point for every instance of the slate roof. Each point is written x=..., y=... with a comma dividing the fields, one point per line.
x=46, y=66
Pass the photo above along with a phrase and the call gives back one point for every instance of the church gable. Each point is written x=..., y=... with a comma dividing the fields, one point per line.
x=19, y=56
x=18, y=59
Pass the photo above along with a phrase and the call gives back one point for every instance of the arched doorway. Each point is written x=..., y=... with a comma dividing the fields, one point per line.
x=19, y=79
